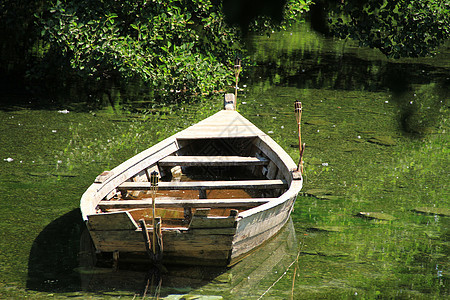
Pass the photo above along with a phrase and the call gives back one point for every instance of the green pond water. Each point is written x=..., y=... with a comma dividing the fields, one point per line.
x=372, y=220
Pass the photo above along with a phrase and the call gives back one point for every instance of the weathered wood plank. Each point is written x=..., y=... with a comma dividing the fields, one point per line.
x=112, y=221
x=251, y=242
x=256, y=228
x=224, y=124
x=212, y=222
x=277, y=155
x=208, y=231
x=212, y=161
x=132, y=241
x=191, y=242
x=202, y=212
x=271, y=170
x=288, y=196
x=276, y=254
x=103, y=176
x=220, y=132
x=194, y=203
x=222, y=118
x=207, y=185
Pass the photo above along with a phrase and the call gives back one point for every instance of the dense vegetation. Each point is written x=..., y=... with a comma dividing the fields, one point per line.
x=399, y=28
x=169, y=50
x=175, y=47
x=178, y=49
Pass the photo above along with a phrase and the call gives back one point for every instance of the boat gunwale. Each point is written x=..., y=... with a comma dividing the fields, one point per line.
x=96, y=189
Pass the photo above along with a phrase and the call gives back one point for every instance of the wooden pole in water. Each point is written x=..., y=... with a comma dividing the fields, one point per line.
x=237, y=70
x=298, y=115
x=154, y=188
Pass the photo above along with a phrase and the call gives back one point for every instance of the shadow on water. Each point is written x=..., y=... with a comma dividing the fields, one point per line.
x=347, y=71
x=63, y=260
x=54, y=255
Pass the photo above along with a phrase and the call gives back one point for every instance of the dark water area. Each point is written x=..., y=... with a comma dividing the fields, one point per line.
x=372, y=220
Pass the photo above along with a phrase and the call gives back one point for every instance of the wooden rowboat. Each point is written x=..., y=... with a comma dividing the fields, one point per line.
x=223, y=188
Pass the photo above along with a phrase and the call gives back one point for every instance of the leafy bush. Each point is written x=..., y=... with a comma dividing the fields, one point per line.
x=399, y=28
x=292, y=13
x=177, y=48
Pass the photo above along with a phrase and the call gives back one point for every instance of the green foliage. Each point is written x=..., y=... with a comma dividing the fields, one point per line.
x=399, y=28
x=160, y=50
x=178, y=48
x=293, y=12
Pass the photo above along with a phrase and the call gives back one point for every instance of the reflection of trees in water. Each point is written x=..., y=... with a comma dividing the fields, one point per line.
x=317, y=69
x=419, y=90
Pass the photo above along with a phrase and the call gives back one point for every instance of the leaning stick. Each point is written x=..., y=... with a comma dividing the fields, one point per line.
x=237, y=70
x=301, y=147
x=154, y=188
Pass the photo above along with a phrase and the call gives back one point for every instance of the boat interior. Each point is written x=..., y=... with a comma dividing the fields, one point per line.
x=215, y=177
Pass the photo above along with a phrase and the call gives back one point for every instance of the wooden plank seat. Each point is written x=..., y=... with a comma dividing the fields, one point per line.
x=191, y=203
x=188, y=161
x=205, y=185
